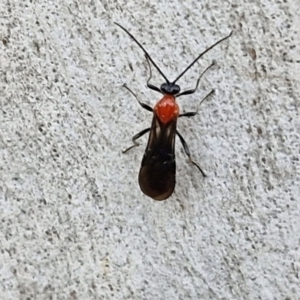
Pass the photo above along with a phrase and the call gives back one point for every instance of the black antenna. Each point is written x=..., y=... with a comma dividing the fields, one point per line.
x=201, y=54
x=154, y=64
x=188, y=67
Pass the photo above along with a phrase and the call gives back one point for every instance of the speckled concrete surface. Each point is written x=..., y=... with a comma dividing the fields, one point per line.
x=74, y=223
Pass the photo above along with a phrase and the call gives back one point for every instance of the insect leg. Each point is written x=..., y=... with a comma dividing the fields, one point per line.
x=192, y=91
x=193, y=113
x=143, y=105
x=187, y=152
x=149, y=85
x=135, y=137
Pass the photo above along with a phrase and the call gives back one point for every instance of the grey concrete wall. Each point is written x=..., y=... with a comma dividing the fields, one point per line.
x=74, y=223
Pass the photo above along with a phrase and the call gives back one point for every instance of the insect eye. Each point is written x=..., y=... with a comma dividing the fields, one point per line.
x=170, y=88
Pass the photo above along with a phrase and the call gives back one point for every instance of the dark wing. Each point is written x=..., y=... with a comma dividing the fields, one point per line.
x=158, y=170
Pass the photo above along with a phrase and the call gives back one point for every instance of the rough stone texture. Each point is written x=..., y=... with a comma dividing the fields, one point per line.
x=74, y=223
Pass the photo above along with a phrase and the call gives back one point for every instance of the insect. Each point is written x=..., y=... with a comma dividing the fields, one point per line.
x=158, y=168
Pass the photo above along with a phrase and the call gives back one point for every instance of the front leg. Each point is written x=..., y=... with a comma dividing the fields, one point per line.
x=149, y=85
x=143, y=105
x=192, y=91
x=194, y=113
